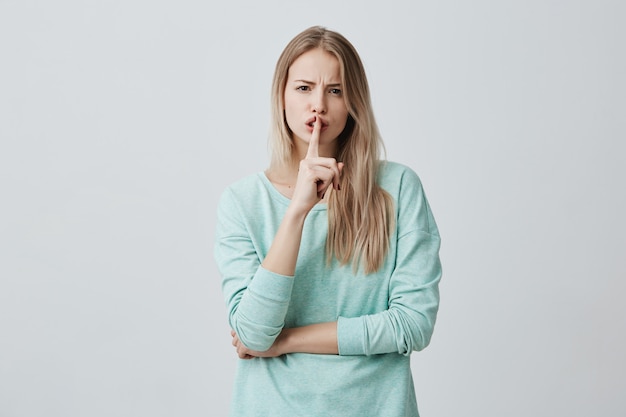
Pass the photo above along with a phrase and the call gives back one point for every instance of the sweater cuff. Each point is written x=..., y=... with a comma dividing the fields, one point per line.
x=273, y=286
x=351, y=336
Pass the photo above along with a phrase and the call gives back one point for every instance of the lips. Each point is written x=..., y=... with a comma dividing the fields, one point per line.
x=311, y=123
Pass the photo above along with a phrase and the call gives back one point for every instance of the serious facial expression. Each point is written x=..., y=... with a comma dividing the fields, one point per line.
x=314, y=90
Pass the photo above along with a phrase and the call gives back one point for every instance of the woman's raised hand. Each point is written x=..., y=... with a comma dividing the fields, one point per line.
x=316, y=174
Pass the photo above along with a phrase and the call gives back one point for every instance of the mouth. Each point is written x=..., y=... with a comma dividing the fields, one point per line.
x=311, y=123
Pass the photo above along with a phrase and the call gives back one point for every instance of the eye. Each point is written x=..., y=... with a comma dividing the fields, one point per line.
x=335, y=91
x=303, y=88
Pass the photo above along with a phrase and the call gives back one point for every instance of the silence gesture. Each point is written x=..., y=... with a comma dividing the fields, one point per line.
x=316, y=174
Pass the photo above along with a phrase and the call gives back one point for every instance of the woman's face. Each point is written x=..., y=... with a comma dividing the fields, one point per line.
x=314, y=90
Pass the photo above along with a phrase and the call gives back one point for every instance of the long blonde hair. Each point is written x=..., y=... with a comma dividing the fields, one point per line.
x=360, y=216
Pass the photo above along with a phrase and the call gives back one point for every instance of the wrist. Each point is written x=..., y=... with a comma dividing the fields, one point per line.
x=296, y=214
x=282, y=343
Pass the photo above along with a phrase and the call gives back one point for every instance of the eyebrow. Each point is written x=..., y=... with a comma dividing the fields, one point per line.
x=312, y=83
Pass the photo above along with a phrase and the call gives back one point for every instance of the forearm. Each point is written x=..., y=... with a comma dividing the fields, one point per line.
x=320, y=338
x=258, y=314
x=283, y=254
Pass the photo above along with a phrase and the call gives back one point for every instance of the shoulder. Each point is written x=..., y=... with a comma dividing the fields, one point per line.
x=242, y=190
x=248, y=183
x=252, y=195
x=393, y=177
x=412, y=207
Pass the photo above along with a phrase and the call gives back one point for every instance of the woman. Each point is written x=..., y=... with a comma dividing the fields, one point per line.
x=329, y=258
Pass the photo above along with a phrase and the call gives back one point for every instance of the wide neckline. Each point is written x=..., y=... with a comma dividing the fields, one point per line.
x=278, y=196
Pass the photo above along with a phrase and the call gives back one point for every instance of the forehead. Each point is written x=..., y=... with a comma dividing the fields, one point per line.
x=315, y=64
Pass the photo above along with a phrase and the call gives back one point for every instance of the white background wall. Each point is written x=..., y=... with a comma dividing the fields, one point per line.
x=122, y=121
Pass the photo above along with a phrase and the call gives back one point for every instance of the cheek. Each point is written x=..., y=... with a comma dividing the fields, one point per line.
x=289, y=116
x=344, y=124
x=290, y=108
x=342, y=110
x=343, y=117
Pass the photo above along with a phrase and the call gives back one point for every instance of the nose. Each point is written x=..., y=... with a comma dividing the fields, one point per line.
x=319, y=103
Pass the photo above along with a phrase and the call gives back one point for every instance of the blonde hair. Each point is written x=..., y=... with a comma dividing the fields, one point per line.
x=360, y=216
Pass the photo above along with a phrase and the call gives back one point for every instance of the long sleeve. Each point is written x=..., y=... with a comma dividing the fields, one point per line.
x=408, y=323
x=257, y=299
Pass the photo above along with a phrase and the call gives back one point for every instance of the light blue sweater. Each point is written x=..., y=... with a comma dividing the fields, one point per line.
x=382, y=317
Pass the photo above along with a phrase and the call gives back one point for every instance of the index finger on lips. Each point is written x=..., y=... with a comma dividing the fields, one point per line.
x=313, y=150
